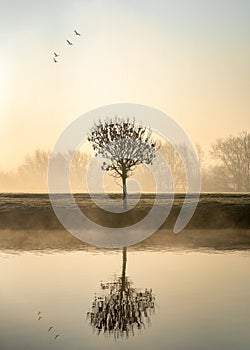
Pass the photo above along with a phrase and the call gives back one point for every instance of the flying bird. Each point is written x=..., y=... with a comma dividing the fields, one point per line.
x=56, y=55
x=57, y=336
x=76, y=33
x=70, y=43
x=39, y=312
x=39, y=318
x=50, y=328
x=55, y=60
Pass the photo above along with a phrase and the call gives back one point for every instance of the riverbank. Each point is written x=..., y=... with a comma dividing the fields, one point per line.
x=34, y=211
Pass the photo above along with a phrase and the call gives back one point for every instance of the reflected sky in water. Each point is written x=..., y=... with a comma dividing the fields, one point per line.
x=202, y=298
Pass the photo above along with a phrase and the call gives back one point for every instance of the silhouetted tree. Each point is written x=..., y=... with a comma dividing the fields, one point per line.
x=124, y=145
x=123, y=308
x=234, y=153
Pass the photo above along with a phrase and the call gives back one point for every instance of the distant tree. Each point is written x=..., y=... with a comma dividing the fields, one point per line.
x=234, y=153
x=79, y=165
x=175, y=163
x=33, y=171
x=124, y=145
x=217, y=178
x=35, y=163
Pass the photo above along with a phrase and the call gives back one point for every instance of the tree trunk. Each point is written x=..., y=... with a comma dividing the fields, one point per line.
x=124, y=190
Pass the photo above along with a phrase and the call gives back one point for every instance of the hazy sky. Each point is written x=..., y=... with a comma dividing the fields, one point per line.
x=190, y=59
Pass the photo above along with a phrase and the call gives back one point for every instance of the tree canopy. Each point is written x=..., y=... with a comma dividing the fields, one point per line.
x=123, y=145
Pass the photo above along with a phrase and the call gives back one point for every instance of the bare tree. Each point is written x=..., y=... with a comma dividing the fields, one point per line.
x=234, y=153
x=124, y=145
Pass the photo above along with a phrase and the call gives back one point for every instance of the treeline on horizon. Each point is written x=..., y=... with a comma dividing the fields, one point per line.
x=229, y=170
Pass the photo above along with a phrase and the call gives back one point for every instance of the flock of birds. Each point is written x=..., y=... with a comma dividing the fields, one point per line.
x=56, y=55
x=50, y=328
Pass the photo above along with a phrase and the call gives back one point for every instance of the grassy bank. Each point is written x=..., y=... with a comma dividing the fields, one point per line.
x=214, y=211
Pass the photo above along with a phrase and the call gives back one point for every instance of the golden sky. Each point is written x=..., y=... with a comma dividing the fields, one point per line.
x=190, y=59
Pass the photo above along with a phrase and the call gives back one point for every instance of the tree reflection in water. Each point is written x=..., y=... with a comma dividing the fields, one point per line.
x=123, y=308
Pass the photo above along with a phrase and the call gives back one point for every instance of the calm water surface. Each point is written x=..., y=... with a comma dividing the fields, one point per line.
x=201, y=298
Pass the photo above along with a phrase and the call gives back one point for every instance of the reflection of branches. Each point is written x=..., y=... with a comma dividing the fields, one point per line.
x=123, y=308
x=120, y=311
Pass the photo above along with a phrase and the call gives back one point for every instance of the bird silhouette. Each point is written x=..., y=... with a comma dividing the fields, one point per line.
x=56, y=55
x=50, y=328
x=39, y=318
x=76, y=33
x=57, y=336
x=55, y=60
x=39, y=313
x=70, y=43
